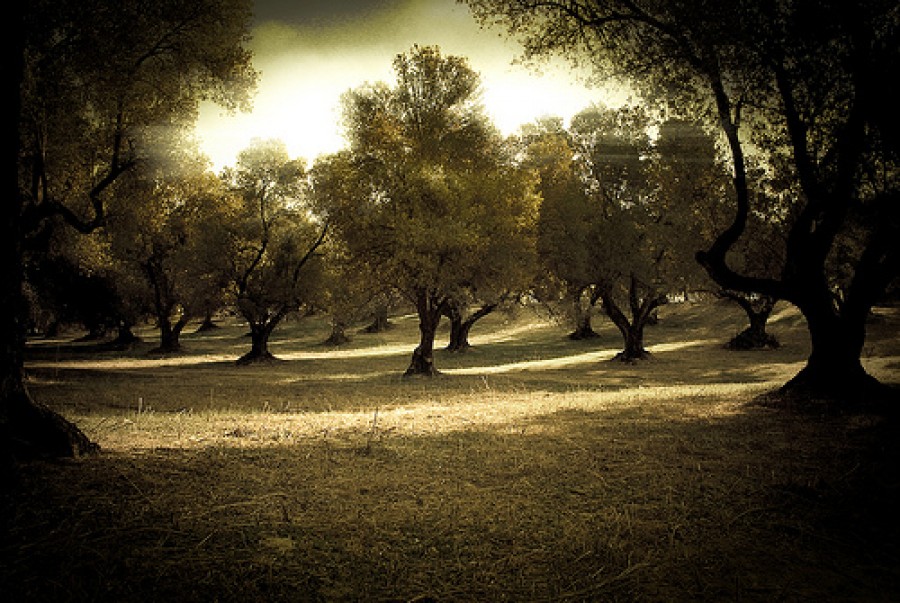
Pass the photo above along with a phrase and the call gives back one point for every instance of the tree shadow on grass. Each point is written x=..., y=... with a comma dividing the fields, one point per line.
x=672, y=500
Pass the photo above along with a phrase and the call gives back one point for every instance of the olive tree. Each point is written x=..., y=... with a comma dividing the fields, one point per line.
x=435, y=193
x=87, y=81
x=804, y=81
x=275, y=269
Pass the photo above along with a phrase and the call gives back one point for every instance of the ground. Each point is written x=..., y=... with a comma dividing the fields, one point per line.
x=532, y=469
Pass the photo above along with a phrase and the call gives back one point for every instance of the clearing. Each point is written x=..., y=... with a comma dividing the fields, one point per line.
x=532, y=469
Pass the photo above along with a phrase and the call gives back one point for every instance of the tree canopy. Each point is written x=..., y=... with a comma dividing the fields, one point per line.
x=802, y=83
x=428, y=194
x=91, y=87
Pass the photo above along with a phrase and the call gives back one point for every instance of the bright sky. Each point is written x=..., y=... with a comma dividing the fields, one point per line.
x=310, y=52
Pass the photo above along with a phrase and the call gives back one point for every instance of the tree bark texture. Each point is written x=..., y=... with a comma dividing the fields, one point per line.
x=259, y=344
x=429, y=309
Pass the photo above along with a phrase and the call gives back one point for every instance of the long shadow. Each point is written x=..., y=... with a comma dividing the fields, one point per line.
x=631, y=504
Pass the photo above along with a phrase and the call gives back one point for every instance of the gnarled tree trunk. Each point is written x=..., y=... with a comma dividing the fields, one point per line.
x=632, y=330
x=259, y=343
x=460, y=327
x=170, y=334
x=758, y=309
x=430, y=309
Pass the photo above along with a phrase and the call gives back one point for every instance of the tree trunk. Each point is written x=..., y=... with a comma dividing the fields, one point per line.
x=338, y=334
x=168, y=339
x=582, y=316
x=834, y=370
x=207, y=324
x=459, y=335
x=429, y=311
x=754, y=337
x=125, y=337
x=380, y=322
x=27, y=428
x=634, y=344
x=584, y=330
x=460, y=328
x=632, y=330
x=259, y=344
x=459, y=341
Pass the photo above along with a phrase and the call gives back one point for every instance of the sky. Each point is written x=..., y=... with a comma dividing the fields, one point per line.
x=310, y=52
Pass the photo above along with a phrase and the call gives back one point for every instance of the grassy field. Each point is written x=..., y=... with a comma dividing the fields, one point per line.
x=532, y=469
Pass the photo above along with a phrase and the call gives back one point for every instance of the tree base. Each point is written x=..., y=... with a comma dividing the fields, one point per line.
x=207, y=325
x=379, y=326
x=810, y=392
x=166, y=350
x=336, y=339
x=583, y=334
x=256, y=358
x=747, y=340
x=631, y=357
x=421, y=365
x=36, y=431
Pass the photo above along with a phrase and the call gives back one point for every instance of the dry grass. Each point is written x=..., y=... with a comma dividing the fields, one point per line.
x=532, y=470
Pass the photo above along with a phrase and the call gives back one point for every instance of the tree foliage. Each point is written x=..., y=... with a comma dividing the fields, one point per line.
x=91, y=87
x=616, y=211
x=428, y=195
x=803, y=82
x=167, y=224
x=275, y=269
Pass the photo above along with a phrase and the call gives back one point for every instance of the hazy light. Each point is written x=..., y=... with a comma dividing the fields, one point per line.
x=306, y=68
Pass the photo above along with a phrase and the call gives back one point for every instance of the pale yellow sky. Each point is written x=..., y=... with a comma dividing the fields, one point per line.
x=307, y=63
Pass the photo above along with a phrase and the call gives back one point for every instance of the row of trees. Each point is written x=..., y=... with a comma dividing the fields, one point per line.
x=802, y=84
x=430, y=201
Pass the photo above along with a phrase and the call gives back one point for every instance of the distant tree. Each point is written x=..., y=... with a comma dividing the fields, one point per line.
x=425, y=210
x=78, y=282
x=275, y=270
x=168, y=224
x=564, y=223
x=607, y=230
x=353, y=290
x=805, y=82
x=86, y=82
x=694, y=182
x=633, y=263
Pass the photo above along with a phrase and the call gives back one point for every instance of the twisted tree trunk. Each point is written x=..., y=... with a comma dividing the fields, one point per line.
x=430, y=309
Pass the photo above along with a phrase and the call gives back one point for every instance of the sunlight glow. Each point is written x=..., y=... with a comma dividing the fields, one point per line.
x=304, y=71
